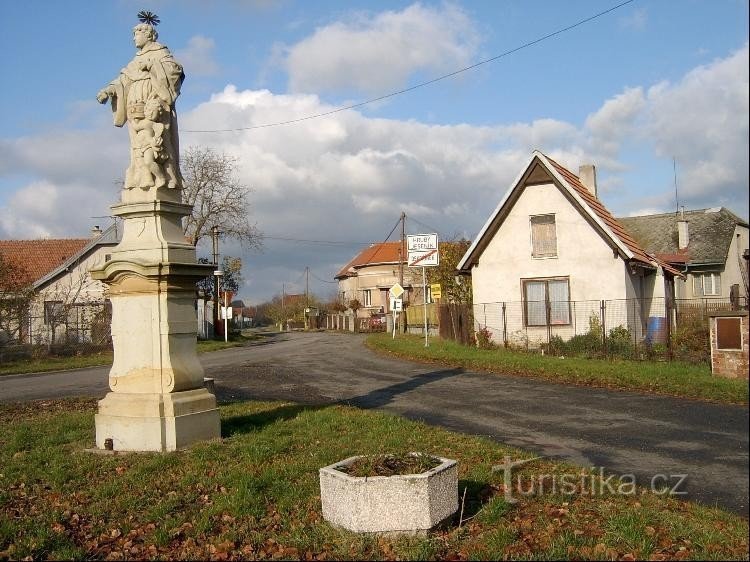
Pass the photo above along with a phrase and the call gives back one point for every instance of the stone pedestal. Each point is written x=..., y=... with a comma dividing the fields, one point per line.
x=158, y=401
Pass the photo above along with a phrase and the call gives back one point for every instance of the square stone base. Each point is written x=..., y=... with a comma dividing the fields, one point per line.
x=157, y=422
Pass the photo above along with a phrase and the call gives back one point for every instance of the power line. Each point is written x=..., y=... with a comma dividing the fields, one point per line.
x=323, y=280
x=427, y=226
x=321, y=242
x=421, y=84
x=380, y=246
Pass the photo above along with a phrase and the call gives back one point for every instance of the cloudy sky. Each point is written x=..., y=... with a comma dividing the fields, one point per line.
x=629, y=91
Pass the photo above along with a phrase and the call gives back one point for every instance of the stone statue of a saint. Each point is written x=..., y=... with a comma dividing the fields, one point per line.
x=144, y=96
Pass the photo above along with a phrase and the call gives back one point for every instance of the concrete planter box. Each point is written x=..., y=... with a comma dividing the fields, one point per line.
x=385, y=504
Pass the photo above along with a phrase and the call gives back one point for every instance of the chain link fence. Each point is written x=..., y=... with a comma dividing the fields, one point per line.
x=658, y=328
x=63, y=331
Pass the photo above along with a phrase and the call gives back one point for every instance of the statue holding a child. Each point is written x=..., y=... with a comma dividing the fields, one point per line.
x=143, y=95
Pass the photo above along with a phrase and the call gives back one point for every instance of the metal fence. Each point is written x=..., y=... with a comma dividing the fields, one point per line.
x=629, y=328
x=78, y=329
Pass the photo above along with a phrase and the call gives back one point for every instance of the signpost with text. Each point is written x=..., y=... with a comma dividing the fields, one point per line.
x=423, y=251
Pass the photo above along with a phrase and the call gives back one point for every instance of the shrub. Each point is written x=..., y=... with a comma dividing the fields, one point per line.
x=620, y=343
x=690, y=339
x=483, y=339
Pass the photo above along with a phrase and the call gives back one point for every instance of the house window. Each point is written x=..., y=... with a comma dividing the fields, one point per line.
x=707, y=284
x=52, y=311
x=342, y=297
x=543, y=236
x=367, y=297
x=546, y=301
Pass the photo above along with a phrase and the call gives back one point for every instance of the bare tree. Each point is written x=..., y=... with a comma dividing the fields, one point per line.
x=218, y=198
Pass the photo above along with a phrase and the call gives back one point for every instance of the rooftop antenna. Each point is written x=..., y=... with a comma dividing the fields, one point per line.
x=676, y=197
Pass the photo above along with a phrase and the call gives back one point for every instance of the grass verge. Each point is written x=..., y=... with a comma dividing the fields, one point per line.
x=669, y=378
x=255, y=495
x=43, y=364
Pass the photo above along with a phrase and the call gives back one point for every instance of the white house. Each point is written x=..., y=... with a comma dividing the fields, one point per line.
x=550, y=253
x=68, y=303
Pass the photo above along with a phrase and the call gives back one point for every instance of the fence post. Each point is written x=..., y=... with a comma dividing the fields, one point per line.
x=668, y=335
x=603, y=312
x=505, y=328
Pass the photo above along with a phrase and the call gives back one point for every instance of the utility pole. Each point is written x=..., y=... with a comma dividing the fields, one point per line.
x=401, y=258
x=307, y=293
x=215, y=241
x=401, y=253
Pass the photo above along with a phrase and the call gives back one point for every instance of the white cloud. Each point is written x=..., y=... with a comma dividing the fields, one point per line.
x=348, y=176
x=612, y=123
x=636, y=20
x=702, y=121
x=197, y=58
x=376, y=53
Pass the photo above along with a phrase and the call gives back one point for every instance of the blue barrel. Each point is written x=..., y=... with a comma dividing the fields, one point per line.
x=656, y=332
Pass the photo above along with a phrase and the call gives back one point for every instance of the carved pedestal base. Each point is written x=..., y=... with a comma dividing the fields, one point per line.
x=156, y=422
x=158, y=400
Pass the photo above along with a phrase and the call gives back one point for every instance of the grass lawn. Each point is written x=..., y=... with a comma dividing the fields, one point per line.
x=671, y=378
x=104, y=358
x=255, y=495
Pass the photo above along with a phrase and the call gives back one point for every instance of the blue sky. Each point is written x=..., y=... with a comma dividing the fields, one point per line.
x=628, y=91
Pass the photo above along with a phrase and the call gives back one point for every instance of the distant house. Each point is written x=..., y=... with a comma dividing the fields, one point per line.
x=371, y=273
x=68, y=302
x=708, y=245
x=551, y=252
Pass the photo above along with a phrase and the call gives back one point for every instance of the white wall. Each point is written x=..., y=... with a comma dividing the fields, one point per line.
x=72, y=286
x=595, y=273
x=378, y=279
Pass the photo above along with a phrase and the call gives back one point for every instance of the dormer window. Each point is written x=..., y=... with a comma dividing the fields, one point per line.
x=543, y=236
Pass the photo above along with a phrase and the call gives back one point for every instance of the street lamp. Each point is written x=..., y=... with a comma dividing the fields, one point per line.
x=219, y=274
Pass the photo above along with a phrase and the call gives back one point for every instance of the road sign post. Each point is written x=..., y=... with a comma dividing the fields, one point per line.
x=423, y=251
x=395, y=293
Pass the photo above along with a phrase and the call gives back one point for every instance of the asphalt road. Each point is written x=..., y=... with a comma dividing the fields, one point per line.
x=626, y=433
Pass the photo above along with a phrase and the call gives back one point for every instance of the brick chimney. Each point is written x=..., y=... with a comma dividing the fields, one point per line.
x=683, y=235
x=587, y=175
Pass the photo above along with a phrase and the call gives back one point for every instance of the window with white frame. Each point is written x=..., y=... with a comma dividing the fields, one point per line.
x=367, y=297
x=546, y=301
x=543, y=236
x=707, y=284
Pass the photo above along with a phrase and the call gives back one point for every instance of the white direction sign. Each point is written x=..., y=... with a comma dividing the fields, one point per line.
x=397, y=305
x=396, y=291
x=423, y=250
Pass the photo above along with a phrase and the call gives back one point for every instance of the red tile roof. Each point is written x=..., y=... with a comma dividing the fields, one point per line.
x=383, y=252
x=602, y=212
x=39, y=257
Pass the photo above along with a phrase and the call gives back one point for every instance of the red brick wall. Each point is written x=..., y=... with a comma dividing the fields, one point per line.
x=733, y=364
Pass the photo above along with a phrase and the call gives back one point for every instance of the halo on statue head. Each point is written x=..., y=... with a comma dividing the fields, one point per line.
x=150, y=18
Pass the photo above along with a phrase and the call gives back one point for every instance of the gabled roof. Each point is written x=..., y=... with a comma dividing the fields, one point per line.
x=376, y=254
x=44, y=259
x=38, y=257
x=542, y=168
x=710, y=233
x=110, y=237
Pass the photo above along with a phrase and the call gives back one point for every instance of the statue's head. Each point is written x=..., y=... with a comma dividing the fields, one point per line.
x=144, y=33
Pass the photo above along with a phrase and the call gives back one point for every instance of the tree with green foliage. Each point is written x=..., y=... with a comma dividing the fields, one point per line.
x=455, y=289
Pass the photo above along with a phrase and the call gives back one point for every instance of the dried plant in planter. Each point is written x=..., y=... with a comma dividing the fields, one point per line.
x=391, y=465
